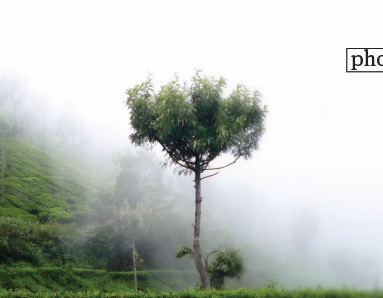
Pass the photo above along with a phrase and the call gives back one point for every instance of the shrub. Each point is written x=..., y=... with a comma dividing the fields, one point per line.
x=227, y=263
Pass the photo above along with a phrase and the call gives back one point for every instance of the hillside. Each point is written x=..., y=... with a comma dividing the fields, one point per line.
x=41, y=187
x=49, y=226
x=46, y=207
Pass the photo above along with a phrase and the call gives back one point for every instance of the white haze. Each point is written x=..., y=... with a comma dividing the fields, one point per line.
x=311, y=195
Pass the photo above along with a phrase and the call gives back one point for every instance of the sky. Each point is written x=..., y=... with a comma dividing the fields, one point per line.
x=321, y=153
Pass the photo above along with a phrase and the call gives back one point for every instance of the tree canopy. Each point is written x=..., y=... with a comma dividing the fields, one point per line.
x=196, y=121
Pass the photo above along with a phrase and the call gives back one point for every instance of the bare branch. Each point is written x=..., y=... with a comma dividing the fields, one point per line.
x=207, y=257
x=224, y=166
x=205, y=162
x=210, y=176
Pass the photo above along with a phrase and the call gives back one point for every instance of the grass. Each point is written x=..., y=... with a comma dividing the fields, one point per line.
x=239, y=293
x=66, y=279
x=70, y=282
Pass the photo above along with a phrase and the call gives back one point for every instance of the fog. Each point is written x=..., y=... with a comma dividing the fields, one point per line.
x=306, y=208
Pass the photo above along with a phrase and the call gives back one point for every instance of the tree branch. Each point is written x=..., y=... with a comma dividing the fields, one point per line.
x=210, y=176
x=188, y=164
x=207, y=257
x=224, y=166
x=205, y=163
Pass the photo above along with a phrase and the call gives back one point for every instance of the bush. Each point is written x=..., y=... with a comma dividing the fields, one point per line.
x=227, y=263
x=38, y=244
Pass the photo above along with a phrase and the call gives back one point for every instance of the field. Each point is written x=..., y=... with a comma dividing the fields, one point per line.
x=70, y=282
x=56, y=239
x=51, y=280
x=241, y=293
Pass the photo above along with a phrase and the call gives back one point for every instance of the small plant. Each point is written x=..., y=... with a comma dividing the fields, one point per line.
x=183, y=251
x=227, y=263
x=272, y=284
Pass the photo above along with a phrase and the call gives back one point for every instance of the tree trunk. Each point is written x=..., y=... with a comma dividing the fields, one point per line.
x=43, y=135
x=197, y=231
x=134, y=266
x=4, y=162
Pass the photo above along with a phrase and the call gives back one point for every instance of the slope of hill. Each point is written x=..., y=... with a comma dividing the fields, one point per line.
x=41, y=187
x=46, y=204
x=49, y=226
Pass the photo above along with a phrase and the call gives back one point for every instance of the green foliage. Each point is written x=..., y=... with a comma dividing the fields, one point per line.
x=239, y=293
x=194, y=124
x=52, y=280
x=41, y=187
x=139, y=206
x=227, y=263
x=49, y=199
x=183, y=251
x=197, y=120
x=272, y=284
x=26, y=242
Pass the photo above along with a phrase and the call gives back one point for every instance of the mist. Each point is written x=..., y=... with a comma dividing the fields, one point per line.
x=306, y=209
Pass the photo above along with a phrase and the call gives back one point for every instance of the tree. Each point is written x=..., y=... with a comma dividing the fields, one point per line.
x=140, y=180
x=132, y=222
x=194, y=124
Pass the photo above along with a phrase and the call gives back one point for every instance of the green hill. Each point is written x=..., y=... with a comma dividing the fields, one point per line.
x=53, y=237
x=46, y=207
x=41, y=187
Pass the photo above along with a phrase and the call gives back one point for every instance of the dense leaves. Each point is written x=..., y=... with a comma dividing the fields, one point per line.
x=227, y=263
x=183, y=251
x=23, y=243
x=196, y=122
